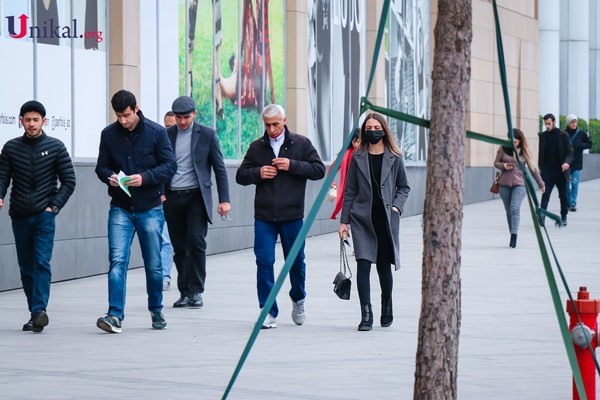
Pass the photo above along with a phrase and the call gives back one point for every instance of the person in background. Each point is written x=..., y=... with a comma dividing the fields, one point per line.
x=34, y=162
x=166, y=248
x=169, y=119
x=354, y=144
x=374, y=197
x=512, y=182
x=279, y=164
x=580, y=140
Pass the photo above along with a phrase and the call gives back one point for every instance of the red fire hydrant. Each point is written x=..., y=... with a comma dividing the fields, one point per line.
x=585, y=333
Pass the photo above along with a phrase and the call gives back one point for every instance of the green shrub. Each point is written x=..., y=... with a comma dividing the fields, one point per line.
x=594, y=130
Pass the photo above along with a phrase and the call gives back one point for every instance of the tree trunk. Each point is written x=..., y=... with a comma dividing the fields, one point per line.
x=439, y=325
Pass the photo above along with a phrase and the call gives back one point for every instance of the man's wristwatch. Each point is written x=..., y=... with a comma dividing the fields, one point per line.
x=55, y=210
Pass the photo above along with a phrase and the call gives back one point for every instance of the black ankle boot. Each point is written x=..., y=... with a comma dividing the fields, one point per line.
x=366, y=320
x=513, y=240
x=387, y=315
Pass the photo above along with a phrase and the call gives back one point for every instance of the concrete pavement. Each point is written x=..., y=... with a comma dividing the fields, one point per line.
x=510, y=345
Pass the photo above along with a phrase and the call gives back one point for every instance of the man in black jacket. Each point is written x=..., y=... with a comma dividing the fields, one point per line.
x=279, y=163
x=555, y=157
x=135, y=161
x=580, y=142
x=34, y=161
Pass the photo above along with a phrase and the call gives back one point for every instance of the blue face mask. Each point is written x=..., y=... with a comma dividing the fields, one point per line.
x=374, y=136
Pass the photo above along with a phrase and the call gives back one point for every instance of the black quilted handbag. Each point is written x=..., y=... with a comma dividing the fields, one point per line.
x=342, y=283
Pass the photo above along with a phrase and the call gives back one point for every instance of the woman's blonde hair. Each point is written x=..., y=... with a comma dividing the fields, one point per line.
x=388, y=138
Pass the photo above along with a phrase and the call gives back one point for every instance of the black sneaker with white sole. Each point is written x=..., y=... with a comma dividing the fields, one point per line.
x=109, y=323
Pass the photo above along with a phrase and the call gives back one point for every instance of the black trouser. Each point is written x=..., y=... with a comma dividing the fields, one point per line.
x=188, y=225
x=551, y=179
x=363, y=283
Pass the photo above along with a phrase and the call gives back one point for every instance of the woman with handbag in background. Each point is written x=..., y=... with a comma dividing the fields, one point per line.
x=339, y=198
x=374, y=197
x=512, y=184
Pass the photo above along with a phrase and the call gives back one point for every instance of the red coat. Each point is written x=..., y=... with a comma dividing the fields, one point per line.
x=340, y=189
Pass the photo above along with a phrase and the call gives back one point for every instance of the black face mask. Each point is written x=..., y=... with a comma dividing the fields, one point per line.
x=373, y=136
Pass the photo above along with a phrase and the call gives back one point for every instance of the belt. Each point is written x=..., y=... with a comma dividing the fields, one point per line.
x=184, y=191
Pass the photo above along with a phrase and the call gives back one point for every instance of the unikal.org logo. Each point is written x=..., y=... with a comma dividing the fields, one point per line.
x=48, y=30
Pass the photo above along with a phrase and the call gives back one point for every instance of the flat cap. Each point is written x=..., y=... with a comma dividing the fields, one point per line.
x=183, y=105
x=571, y=117
x=32, y=105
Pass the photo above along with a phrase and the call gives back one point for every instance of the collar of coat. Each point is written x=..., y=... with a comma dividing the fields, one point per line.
x=287, y=139
x=362, y=161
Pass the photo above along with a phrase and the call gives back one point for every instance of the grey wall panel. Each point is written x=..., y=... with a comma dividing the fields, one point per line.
x=81, y=246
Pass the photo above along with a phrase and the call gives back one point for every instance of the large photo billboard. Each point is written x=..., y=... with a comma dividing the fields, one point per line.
x=231, y=63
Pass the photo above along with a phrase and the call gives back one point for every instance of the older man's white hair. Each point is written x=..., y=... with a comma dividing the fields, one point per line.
x=273, y=110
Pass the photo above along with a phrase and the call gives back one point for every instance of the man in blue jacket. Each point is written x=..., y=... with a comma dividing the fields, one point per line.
x=279, y=164
x=188, y=207
x=140, y=149
x=33, y=162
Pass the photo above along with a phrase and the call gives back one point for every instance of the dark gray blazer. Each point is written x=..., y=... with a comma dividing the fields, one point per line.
x=356, y=210
x=206, y=153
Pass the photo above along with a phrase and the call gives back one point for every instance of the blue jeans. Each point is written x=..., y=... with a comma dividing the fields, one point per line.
x=573, y=188
x=122, y=226
x=512, y=197
x=34, y=239
x=265, y=238
x=166, y=253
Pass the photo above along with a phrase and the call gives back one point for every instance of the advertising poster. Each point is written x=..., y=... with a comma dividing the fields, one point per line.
x=319, y=76
x=262, y=69
x=408, y=73
x=336, y=70
x=16, y=76
x=231, y=63
x=53, y=72
x=89, y=78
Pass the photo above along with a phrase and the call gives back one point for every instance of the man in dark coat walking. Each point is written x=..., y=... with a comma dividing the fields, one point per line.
x=279, y=164
x=555, y=157
x=188, y=208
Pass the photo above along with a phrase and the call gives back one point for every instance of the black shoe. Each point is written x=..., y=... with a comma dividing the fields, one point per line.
x=573, y=208
x=563, y=221
x=196, y=301
x=109, y=323
x=366, y=320
x=513, y=240
x=40, y=320
x=158, y=320
x=183, y=301
x=387, y=314
x=28, y=327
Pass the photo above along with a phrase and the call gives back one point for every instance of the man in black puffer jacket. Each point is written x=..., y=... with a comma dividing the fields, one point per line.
x=33, y=162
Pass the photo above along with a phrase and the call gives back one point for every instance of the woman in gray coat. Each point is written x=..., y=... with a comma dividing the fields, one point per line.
x=374, y=197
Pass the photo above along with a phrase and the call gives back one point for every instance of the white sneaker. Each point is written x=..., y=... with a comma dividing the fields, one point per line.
x=298, y=315
x=269, y=322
